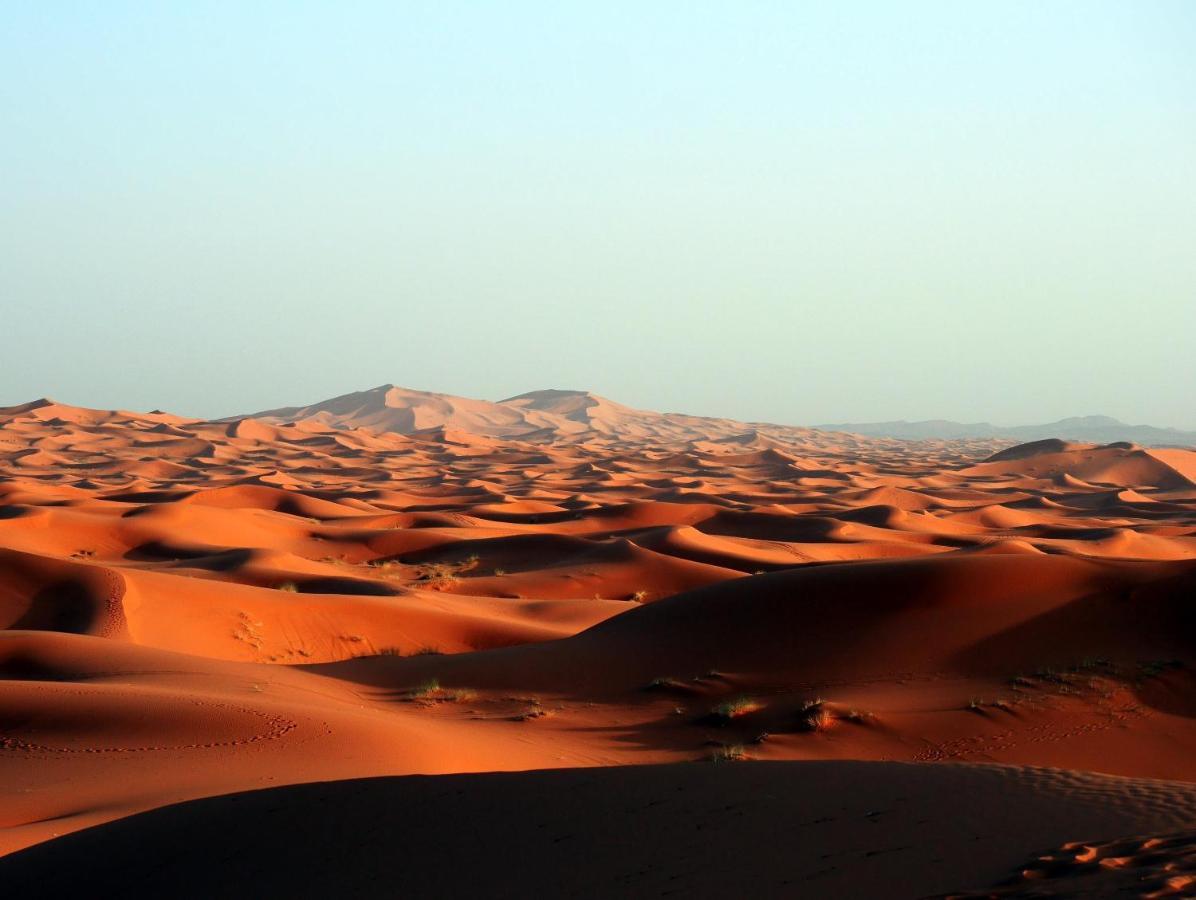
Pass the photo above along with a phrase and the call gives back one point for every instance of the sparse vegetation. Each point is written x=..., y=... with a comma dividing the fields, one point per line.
x=428, y=650
x=729, y=753
x=442, y=575
x=1089, y=675
x=814, y=716
x=427, y=689
x=431, y=690
x=664, y=684
x=978, y=704
x=639, y=596
x=735, y=708
x=1153, y=668
x=534, y=710
x=289, y=586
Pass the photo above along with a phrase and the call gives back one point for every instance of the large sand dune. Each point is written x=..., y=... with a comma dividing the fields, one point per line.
x=403, y=584
x=815, y=829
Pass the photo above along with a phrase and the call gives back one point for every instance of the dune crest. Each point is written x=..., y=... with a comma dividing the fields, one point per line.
x=397, y=583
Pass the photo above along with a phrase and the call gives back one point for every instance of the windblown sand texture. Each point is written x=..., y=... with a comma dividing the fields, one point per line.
x=398, y=584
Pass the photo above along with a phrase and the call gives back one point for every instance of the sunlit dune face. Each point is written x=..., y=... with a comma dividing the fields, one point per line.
x=199, y=608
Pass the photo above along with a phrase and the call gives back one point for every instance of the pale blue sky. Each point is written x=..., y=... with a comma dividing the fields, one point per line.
x=774, y=211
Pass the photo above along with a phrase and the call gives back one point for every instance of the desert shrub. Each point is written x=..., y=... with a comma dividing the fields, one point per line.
x=729, y=753
x=427, y=689
x=439, y=576
x=732, y=709
x=664, y=683
x=534, y=710
x=814, y=716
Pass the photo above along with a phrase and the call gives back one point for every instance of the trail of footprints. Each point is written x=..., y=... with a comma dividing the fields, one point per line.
x=277, y=727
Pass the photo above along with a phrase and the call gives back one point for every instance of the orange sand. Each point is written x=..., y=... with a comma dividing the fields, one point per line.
x=194, y=609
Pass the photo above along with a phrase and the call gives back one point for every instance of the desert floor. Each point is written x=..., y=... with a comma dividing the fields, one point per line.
x=248, y=658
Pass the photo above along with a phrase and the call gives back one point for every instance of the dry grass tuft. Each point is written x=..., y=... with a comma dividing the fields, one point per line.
x=443, y=575
x=815, y=716
x=665, y=684
x=534, y=711
x=429, y=688
x=736, y=708
x=729, y=753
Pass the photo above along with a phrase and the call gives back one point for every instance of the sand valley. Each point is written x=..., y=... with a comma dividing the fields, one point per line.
x=593, y=649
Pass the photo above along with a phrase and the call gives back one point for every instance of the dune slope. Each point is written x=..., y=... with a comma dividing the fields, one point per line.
x=198, y=609
x=848, y=829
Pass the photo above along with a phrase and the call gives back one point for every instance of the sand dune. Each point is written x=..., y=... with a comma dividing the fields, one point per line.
x=1112, y=464
x=540, y=417
x=849, y=830
x=399, y=584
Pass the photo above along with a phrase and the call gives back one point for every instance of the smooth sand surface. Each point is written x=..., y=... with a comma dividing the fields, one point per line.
x=812, y=829
x=199, y=609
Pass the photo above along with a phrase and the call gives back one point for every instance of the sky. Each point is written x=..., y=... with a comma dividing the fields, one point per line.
x=787, y=212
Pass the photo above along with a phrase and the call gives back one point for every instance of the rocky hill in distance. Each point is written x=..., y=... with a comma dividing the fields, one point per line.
x=1094, y=429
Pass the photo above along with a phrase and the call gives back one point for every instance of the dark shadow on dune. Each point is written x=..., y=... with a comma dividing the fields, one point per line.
x=769, y=527
x=147, y=497
x=67, y=606
x=346, y=586
x=514, y=518
x=1168, y=688
x=1146, y=631
x=516, y=553
x=754, y=829
x=194, y=557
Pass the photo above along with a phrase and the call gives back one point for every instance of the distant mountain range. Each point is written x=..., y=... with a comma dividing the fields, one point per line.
x=1092, y=429
x=551, y=415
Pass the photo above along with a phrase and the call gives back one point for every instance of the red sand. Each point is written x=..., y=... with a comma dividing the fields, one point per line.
x=195, y=609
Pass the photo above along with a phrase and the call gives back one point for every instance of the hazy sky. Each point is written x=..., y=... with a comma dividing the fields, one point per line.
x=796, y=212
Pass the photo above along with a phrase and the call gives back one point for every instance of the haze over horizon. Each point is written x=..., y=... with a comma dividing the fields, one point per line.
x=1013, y=426
x=847, y=214
x=564, y=449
